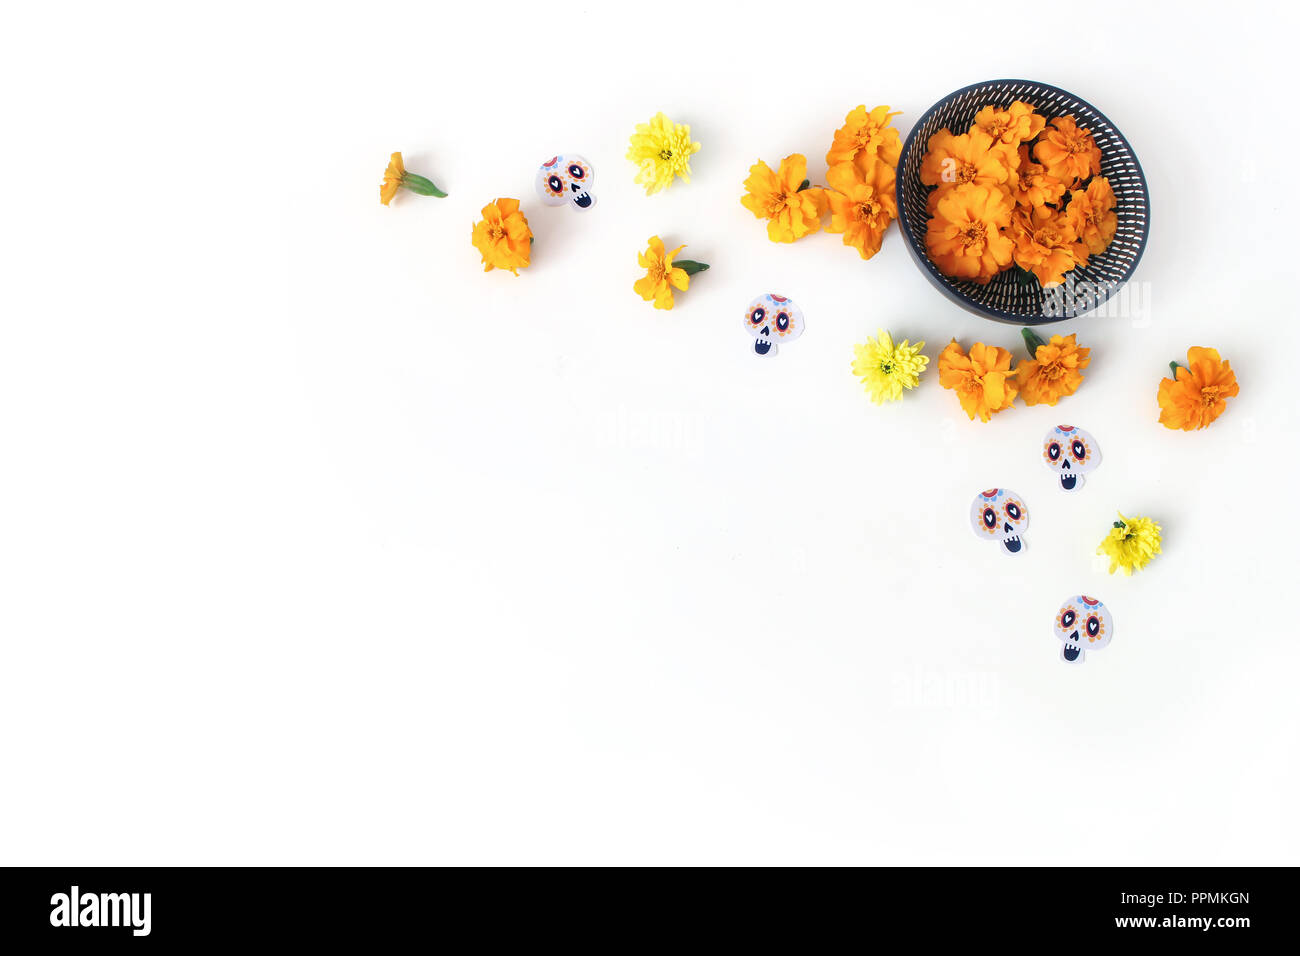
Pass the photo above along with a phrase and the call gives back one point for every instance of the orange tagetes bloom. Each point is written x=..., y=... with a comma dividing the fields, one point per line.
x=861, y=210
x=660, y=276
x=1197, y=396
x=1047, y=246
x=973, y=157
x=1091, y=214
x=502, y=237
x=1031, y=186
x=1056, y=370
x=393, y=177
x=983, y=380
x=1068, y=151
x=1016, y=124
x=864, y=138
x=791, y=212
x=964, y=238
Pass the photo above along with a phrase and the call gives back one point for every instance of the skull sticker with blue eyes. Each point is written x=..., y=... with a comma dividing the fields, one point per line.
x=564, y=179
x=1082, y=624
x=1071, y=453
x=1000, y=515
x=773, y=319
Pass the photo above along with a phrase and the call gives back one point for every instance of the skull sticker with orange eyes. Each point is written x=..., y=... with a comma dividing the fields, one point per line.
x=1071, y=453
x=772, y=320
x=564, y=179
x=1000, y=515
x=1082, y=624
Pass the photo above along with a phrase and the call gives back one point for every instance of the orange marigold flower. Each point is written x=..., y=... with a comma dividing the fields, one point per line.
x=1197, y=394
x=1047, y=246
x=1016, y=124
x=393, y=177
x=864, y=138
x=973, y=157
x=661, y=277
x=502, y=237
x=791, y=212
x=984, y=381
x=1069, y=152
x=964, y=238
x=1091, y=213
x=1031, y=186
x=1056, y=370
x=861, y=210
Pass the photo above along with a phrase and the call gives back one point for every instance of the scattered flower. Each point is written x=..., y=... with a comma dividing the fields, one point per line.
x=662, y=275
x=984, y=381
x=886, y=369
x=865, y=139
x=1197, y=394
x=662, y=151
x=1068, y=152
x=396, y=177
x=964, y=239
x=861, y=210
x=1131, y=544
x=791, y=207
x=502, y=237
x=1054, y=370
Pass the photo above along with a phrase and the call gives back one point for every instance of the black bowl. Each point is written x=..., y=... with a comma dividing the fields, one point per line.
x=1006, y=298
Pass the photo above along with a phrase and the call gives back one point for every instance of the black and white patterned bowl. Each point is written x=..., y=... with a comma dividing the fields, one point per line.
x=1006, y=298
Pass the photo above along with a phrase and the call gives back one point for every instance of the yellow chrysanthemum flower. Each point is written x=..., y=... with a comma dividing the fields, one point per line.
x=661, y=150
x=886, y=369
x=1131, y=544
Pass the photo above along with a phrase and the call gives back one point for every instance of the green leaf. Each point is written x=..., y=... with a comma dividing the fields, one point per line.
x=804, y=185
x=422, y=186
x=1173, y=367
x=690, y=266
x=1032, y=341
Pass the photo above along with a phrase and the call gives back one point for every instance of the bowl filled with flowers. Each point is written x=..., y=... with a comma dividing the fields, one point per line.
x=1021, y=202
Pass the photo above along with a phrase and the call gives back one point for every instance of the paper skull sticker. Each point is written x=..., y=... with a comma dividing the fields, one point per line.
x=1071, y=453
x=1000, y=516
x=564, y=179
x=1082, y=624
x=773, y=320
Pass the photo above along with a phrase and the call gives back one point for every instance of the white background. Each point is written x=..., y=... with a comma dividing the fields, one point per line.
x=320, y=545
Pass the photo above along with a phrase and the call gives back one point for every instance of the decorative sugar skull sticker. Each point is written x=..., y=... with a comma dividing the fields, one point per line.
x=1082, y=624
x=773, y=320
x=564, y=179
x=1000, y=515
x=1071, y=453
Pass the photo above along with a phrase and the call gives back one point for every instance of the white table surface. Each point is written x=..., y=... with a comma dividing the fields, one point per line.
x=321, y=545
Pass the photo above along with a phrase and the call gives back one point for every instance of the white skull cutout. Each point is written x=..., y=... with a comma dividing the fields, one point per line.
x=1082, y=624
x=564, y=179
x=1000, y=515
x=1071, y=453
x=772, y=320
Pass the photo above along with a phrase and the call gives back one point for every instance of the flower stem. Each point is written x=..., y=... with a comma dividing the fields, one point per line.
x=690, y=266
x=421, y=185
x=1032, y=341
